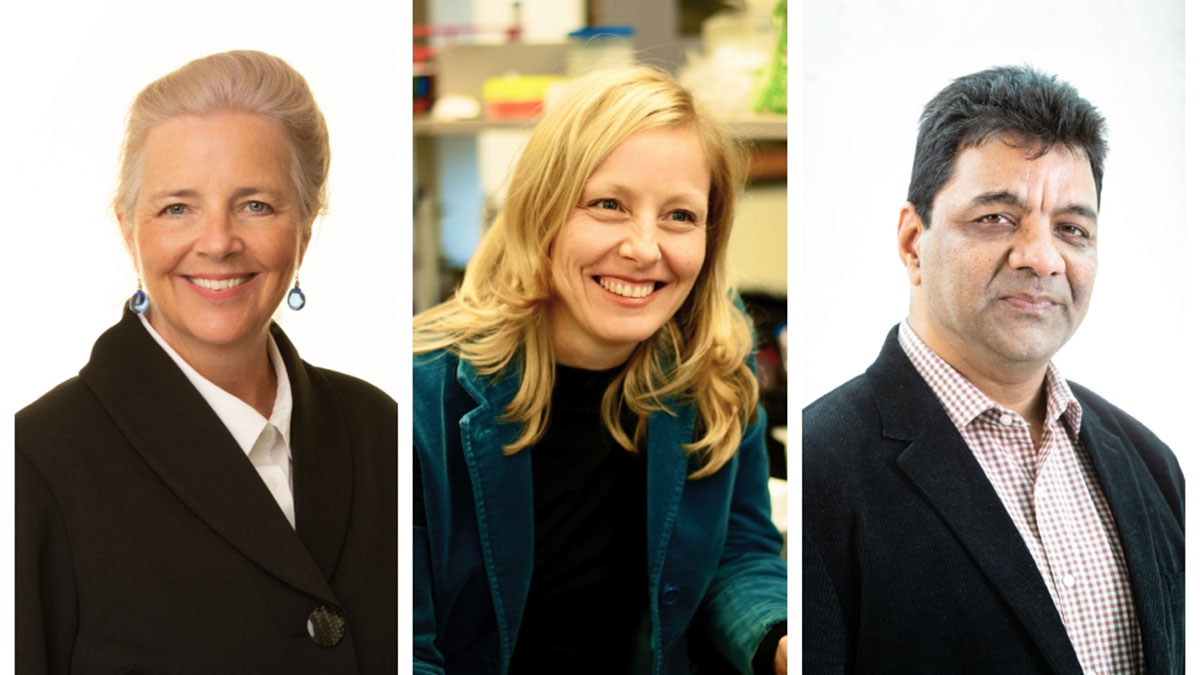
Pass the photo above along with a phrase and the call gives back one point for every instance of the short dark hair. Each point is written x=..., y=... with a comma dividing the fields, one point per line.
x=1037, y=108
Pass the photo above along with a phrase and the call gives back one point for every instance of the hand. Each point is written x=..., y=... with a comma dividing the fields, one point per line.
x=781, y=657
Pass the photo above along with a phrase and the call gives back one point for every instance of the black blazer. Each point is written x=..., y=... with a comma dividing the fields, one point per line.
x=147, y=543
x=912, y=565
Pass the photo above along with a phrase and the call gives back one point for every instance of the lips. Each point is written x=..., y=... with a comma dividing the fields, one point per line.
x=626, y=288
x=1030, y=303
x=220, y=284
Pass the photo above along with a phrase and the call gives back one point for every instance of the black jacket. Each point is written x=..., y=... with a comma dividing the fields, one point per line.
x=912, y=565
x=147, y=543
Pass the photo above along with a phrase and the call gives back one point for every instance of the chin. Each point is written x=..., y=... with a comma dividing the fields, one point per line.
x=1033, y=349
x=630, y=335
x=220, y=332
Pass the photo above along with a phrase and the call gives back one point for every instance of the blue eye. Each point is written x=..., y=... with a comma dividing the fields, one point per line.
x=175, y=209
x=257, y=207
x=683, y=216
x=606, y=204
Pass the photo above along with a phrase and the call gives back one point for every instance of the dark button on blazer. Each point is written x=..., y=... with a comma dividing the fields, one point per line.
x=146, y=541
x=912, y=565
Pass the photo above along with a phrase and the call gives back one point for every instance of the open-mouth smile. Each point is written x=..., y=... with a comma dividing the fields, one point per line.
x=628, y=289
x=219, y=284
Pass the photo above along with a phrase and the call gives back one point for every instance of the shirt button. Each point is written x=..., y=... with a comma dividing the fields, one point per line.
x=1068, y=580
x=1006, y=420
x=326, y=626
x=670, y=595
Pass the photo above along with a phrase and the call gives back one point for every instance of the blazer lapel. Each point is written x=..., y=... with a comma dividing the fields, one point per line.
x=942, y=467
x=503, y=487
x=321, y=460
x=179, y=436
x=1119, y=476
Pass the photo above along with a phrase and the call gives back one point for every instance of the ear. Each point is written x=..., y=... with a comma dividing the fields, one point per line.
x=908, y=241
x=130, y=243
x=305, y=237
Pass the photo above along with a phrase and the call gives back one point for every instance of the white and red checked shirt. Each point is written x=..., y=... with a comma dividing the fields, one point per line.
x=1054, y=498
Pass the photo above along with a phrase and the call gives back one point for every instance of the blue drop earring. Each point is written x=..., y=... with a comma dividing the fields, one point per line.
x=295, y=297
x=138, y=302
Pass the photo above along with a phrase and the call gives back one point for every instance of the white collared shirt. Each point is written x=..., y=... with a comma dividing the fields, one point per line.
x=266, y=442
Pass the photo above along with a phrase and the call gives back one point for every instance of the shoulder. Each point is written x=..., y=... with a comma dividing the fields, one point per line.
x=439, y=400
x=435, y=383
x=69, y=412
x=1114, y=419
x=847, y=410
x=354, y=390
x=1133, y=435
x=853, y=395
x=432, y=369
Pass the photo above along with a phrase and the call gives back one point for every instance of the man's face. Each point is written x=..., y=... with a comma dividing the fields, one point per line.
x=1004, y=272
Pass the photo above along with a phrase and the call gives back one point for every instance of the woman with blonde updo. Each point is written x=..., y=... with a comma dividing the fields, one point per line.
x=590, y=467
x=199, y=499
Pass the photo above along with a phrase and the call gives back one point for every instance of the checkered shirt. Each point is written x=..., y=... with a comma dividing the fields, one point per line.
x=1054, y=498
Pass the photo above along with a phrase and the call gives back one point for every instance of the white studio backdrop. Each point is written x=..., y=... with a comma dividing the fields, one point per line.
x=869, y=67
x=69, y=81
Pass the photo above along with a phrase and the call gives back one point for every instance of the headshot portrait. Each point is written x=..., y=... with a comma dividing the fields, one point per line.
x=595, y=488
x=981, y=494
x=193, y=494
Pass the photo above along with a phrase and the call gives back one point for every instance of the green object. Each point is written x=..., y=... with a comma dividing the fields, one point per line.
x=773, y=96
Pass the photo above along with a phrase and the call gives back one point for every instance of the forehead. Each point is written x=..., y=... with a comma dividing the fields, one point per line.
x=191, y=151
x=673, y=154
x=1060, y=176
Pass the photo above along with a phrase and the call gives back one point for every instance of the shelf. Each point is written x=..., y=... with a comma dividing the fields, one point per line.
x=767, y=128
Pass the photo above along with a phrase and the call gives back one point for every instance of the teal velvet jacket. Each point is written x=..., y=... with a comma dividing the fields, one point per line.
x=713, y=556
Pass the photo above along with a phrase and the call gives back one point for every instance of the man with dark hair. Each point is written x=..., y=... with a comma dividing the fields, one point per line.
x=966, y=508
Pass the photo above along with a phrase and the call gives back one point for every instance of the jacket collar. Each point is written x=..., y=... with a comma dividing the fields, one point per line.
x=184, y=442
x=941, y=465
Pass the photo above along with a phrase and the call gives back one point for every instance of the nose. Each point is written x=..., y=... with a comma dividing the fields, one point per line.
x=1035, y=250
x=217, y=238
x=640, y=244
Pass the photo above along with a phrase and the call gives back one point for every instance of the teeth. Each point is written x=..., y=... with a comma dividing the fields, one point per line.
x=627, y=290
x=219, y=284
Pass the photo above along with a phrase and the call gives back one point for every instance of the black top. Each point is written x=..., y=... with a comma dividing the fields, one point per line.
x=589, y=588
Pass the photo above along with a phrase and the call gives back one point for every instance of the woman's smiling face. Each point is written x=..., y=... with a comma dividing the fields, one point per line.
x=216, y=231
x=629, y=253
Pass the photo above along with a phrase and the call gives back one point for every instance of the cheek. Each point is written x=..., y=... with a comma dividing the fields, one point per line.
x=277, y=248
x=1082, y=275
x=575, y=248
x=686, y=256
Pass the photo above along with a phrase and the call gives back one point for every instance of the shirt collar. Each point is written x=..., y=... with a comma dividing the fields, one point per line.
x=964, y=402
x=243, y=421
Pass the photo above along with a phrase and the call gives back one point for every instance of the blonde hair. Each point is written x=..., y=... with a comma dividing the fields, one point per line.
x=243, y=81
x=500, y=310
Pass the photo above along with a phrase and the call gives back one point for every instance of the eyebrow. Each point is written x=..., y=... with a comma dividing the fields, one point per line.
x=1010, y=199
x=237, y=194
x=619, y=189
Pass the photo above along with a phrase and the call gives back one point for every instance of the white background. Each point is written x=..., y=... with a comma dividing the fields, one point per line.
x=869, y=67
x=70, y=71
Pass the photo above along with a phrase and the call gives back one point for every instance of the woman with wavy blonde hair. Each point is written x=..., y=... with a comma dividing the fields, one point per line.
x=590, y=471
